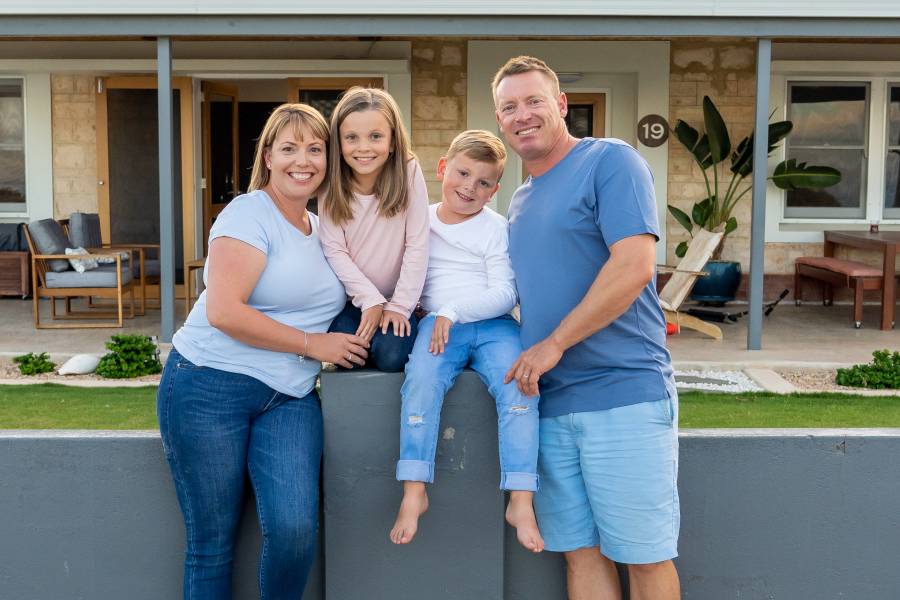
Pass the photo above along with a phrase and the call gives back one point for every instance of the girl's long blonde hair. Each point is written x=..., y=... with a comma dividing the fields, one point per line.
x=391, y=186
x=296, y=116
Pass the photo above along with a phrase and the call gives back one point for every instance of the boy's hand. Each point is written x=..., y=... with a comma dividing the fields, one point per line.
x=369, y=322
x=440, y=335
x=402, y=328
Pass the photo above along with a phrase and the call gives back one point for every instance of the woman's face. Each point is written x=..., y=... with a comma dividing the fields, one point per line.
x=297, y=165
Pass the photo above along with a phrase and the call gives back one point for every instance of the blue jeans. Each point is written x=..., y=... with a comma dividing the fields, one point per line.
x=387, y=352
x=217, y=428
x=490, y=347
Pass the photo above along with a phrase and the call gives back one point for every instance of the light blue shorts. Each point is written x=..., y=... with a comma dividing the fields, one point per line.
x=609, y=478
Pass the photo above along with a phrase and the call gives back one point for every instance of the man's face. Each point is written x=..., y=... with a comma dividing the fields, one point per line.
x=530, y=114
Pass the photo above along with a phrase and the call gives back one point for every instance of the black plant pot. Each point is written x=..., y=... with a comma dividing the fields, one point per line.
x=720, y=285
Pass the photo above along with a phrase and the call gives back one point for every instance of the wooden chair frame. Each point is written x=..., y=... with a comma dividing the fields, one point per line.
x=39, y=266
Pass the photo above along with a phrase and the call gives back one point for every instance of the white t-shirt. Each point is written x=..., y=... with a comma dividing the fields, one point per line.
x=469, y=274
x=296, y=287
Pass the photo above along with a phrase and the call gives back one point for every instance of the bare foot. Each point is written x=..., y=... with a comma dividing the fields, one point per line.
x=520, y=514
x=413, y=505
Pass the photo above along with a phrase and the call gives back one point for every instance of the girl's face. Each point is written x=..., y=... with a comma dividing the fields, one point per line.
x=366, y=144
x=297, y=166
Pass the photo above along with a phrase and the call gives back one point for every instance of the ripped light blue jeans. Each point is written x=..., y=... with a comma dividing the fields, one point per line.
x=490, y=348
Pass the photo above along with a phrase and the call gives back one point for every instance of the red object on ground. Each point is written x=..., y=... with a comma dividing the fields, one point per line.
x=671, y=328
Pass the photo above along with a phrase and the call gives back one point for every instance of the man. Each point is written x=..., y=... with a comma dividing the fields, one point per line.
x=583, y=230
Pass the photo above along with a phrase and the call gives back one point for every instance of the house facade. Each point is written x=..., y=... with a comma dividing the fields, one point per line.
x=78, y=102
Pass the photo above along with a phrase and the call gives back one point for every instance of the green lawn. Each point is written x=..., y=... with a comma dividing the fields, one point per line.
x=51, y=406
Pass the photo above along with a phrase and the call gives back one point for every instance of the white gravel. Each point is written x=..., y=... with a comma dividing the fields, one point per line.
x=737, y=381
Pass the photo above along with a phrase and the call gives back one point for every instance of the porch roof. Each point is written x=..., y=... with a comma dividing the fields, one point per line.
x=39, y=21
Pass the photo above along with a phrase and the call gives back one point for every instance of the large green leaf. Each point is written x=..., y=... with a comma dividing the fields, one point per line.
x=719, y=142
x=791, y=175
x=702, y=153
x=696, y=144
x=730, y=225
x=742, y=158
x=701, y=212
x=681, y=217
x=681, y=249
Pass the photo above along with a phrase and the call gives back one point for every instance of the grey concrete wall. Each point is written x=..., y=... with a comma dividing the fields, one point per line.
x=94, y=516
x=784, y=515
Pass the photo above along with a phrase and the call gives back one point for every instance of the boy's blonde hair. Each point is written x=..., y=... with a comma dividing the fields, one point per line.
x=296, y=116
x=391, y=187
x=524, y=64
x=479, y=145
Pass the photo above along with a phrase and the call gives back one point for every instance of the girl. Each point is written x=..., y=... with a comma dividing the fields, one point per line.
x=374, y=225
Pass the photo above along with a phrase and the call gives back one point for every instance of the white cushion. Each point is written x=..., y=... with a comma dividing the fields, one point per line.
x=80, y=364
x=81, y=264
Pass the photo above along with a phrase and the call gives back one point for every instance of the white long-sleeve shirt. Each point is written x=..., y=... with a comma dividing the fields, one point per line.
x=469, y=276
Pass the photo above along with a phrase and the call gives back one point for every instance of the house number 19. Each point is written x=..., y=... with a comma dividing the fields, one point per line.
x=652, y=131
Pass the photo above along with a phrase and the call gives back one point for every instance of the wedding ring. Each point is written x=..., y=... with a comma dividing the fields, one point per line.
x=526, y=376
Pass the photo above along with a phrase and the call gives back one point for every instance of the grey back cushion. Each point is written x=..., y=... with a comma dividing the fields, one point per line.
x=48, y=238
x=84, y=230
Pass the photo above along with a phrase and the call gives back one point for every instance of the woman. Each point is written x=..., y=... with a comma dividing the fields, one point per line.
x=237, y=396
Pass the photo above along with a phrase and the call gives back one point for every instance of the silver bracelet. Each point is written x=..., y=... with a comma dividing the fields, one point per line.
x=305, y=346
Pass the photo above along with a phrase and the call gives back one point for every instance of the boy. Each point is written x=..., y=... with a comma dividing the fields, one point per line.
x=469, y=292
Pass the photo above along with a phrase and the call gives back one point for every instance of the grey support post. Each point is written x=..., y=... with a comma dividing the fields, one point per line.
x=166, y=189
x=760, y=161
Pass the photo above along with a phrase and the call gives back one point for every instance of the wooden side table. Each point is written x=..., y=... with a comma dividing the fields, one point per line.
x=189, y=268
x=15, y=274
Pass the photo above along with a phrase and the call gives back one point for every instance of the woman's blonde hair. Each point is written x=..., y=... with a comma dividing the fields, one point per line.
x=298, y=117
x=391, y=187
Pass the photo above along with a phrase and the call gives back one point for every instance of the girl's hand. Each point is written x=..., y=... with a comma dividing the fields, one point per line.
x=440, y=335
x=402, y=328
x=339, y=348
x=370, y=321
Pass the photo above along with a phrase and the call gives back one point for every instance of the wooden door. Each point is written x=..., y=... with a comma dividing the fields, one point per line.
x=219, y=123
x=323, y=93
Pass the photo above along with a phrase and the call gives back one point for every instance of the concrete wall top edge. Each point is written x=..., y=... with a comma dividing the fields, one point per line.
x=47, y=434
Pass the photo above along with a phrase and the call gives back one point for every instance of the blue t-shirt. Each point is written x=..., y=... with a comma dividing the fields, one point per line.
x=297, y=288
x=561, y=226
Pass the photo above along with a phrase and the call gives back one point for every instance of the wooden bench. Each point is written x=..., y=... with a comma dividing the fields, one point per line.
x=834, y=271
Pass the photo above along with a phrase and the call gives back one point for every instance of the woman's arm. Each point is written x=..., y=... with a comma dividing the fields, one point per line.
x=234, y=269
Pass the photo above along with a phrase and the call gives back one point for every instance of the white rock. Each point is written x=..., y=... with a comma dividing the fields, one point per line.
x=80, y=364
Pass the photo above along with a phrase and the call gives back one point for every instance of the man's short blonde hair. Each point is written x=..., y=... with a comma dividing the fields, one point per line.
x=479, y=145
x=524, y=64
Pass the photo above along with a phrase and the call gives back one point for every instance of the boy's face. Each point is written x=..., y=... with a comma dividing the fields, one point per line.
x=467, y=184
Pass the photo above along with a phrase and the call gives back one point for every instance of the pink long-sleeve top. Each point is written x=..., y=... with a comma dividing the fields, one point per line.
x=379, y=260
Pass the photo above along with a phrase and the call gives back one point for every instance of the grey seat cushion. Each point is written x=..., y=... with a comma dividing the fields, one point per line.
x=84, y=230
x=102, y=276
x=151, y=267
x=48, y=238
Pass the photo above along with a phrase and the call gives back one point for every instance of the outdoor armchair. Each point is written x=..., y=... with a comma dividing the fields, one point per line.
x=683, y=278
x=53, y=277
x=84, y=232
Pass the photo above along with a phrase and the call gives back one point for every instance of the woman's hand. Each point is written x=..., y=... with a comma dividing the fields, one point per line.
x=341, y=349
x=370, y=322
x=402, y=328
x=440, y=335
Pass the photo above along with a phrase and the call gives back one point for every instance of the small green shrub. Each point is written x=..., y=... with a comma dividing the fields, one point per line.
x=129, y=356
x=33, y=364
x=882, y=373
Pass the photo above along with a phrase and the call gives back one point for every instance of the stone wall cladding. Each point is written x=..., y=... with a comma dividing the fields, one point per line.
x=438, y=101
x=74, y=144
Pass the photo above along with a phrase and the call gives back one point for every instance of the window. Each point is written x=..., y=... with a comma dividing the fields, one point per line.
x=12, y=146
x=831, y=121
x=892, y=160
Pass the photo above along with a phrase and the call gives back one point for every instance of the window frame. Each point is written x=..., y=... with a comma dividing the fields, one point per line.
x=888, y=214
x=877, y=74
x=17, y=209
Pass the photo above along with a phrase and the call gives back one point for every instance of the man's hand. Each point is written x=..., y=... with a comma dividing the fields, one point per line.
x=402, y=328
x=533, y=363
x=440, y=335
x=369, y=322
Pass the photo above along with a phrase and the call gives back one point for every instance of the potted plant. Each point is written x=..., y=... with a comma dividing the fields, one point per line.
x=714, y=212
